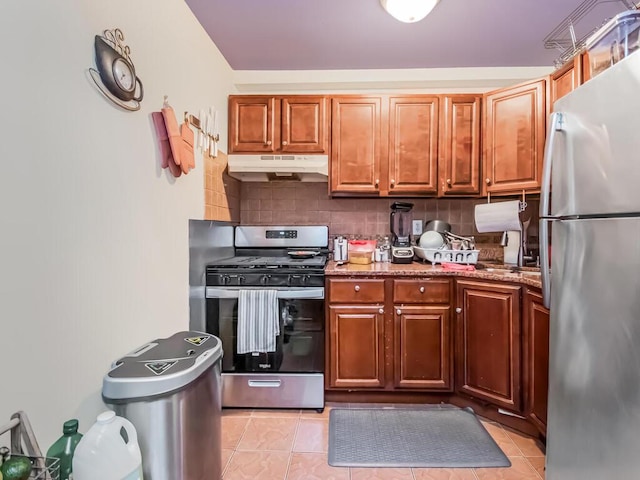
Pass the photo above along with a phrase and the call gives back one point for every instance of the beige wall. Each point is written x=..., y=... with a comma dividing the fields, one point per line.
x=94, y=243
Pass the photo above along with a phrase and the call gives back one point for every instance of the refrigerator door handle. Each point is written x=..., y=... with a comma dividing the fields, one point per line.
x=555, y=123
x=544, y=261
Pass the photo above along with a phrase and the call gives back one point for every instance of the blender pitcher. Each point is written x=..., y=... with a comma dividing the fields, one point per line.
x=400, y=225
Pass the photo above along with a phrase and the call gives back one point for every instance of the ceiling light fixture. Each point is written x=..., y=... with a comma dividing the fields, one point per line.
x=409, y=11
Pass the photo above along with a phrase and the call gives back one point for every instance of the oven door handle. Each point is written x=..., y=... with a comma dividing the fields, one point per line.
x=288, y=294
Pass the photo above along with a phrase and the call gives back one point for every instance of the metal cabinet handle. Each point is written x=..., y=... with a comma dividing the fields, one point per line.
x=458, y=310
x=268, y=142
x=377, y=182
x=284, y=142
x=421, y=289
x=381, y=310
x=357, y=288
x=487, y=181
x=399, y=312
x=393, y=183
x=449, y=181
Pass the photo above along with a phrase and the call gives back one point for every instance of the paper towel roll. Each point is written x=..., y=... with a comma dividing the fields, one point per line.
x=498, y=216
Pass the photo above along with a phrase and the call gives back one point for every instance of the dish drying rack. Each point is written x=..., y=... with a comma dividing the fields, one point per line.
x=23, y=443
x=467, y=254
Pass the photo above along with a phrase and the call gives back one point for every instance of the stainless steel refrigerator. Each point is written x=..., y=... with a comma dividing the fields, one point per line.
x=591, y=203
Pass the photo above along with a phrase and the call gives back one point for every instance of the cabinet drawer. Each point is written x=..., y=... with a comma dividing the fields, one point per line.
x=423, y=290
x=356, y=291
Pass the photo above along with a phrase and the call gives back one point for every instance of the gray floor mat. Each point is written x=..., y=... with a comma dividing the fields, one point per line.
x=411, y=437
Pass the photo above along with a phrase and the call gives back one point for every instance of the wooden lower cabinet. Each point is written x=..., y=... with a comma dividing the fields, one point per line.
x=356, y=346
x=488, y=343
x=422, y=342
x=400, y=335
x=392, y=335
x=536, y=359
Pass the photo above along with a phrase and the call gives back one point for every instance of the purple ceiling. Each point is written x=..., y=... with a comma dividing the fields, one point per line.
x=359, y=34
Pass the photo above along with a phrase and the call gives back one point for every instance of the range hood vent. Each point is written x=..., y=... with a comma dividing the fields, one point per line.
x=268, y=168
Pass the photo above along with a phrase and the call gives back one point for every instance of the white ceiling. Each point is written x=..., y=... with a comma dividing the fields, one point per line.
x=359, y=34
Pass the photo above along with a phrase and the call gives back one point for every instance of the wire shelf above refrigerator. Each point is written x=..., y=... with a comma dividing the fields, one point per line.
x=572, y=32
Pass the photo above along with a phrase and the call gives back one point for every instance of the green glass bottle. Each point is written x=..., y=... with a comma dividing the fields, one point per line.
x=64, y=447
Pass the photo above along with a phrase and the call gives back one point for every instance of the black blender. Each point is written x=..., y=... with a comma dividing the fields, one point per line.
x=400, y=224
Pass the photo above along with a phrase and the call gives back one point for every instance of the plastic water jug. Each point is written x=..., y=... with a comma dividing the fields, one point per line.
x=104, y=454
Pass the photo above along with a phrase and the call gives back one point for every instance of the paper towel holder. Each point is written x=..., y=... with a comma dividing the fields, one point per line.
x=522, y=206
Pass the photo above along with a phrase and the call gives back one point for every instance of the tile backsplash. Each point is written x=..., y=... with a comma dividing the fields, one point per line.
x=282, y=203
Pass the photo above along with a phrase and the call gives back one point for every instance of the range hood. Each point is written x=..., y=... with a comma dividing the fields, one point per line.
x=266, y=168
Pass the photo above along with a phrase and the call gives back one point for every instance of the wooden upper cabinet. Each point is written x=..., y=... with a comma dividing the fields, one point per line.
x=356, y=144
x=251, y=124
x=585, y=68
x=514, y=136
x=305, y=126
x=413, y=145
x=271, y=125
x=565, y=80
x=459, y=157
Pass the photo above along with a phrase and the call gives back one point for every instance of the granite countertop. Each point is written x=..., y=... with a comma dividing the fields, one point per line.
x=485, y=270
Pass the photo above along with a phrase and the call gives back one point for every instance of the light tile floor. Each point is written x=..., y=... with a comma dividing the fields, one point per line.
x=292, y=445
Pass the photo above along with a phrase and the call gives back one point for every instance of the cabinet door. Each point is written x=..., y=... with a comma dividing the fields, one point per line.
x=459, y=157
x=251, y=124
x=536, y=321
x=356, y=346
x=356, y=144
x=565, y=80
x=422, y=347
x=304, y=125
x=514, y=138
x=413, y=145
x=488, y=343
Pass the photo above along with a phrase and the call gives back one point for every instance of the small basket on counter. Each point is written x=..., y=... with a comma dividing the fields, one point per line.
x=438, y=255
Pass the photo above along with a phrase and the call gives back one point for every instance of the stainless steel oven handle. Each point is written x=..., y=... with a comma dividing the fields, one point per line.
x=286, y=294
x=265, y=383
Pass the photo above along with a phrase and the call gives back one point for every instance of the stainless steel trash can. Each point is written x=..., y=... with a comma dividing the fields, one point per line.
x=170, y=389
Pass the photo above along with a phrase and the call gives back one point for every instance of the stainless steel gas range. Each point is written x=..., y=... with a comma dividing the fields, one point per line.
x=289, y=262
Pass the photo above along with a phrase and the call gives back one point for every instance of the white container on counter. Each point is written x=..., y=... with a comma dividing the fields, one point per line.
x=340, y=249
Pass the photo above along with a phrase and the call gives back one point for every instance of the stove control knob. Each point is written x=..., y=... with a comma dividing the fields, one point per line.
x=305, y=279
x=241, y=279
x=225, y=279
x=265, y=279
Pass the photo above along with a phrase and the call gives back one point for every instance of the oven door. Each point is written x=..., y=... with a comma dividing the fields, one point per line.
x=300, y=345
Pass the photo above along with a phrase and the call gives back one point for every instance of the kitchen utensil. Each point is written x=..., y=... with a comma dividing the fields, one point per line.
x=466, y=243
x=431, y=239
x=187, y=161
x=302, y=253
x=438, y=226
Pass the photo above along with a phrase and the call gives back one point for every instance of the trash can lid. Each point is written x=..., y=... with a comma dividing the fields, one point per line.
x=161, y=366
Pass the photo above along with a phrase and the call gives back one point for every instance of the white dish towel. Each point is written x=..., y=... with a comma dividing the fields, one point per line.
x=258, y=321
